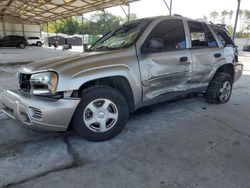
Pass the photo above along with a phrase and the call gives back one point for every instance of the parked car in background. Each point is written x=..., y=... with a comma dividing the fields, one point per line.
x=13, y=41
x=35, y=41
x=246, y=48
x=143, y=62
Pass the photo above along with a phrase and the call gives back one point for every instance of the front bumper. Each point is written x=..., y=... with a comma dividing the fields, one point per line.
x=38, y=113
x=238, y=69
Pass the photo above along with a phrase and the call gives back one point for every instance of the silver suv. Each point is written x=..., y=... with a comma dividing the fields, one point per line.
x=141, y=63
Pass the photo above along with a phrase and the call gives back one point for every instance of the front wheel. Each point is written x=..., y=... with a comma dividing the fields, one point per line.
x=101, y=115
x=220, y=89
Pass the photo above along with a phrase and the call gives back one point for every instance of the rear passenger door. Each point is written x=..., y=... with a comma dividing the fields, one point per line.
x=205, y=53
x=14, y=41
x=18, y=40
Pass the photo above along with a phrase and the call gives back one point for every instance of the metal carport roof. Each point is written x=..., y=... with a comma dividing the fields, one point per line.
x=41, y=11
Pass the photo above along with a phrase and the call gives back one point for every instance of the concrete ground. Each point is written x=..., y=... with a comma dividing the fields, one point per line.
x=184, y=143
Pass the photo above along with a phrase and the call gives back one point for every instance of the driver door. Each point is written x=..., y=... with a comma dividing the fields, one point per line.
x=165, y=60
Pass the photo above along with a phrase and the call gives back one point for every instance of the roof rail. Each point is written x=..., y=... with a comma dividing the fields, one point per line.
x=177, y=15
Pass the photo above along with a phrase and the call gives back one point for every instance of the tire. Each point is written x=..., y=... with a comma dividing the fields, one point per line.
x=91, y=113
x=22, y=46
x=220, y=89
x=39, y=44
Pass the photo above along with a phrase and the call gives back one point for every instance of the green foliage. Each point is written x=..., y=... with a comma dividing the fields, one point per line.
x=214, y=16
x=226, y=16
x=69, y=26
x=99, y=23
x=102, y=23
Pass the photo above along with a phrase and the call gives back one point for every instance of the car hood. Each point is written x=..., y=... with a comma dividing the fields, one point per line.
x=61, y=64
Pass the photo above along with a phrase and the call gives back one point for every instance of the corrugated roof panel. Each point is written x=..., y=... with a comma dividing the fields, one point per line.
x=41, y=11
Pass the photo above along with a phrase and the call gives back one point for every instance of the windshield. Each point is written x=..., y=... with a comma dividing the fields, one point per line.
x=123, y=37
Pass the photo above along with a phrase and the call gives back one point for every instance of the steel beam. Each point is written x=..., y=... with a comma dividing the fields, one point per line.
x=236, y=19
x=47, y=30
x=169, y=6
x=127, y=14
x=4, y=33
x=23, y=29
x=83, y=49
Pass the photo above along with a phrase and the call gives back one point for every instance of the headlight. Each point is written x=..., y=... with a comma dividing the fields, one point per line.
x=44, y=83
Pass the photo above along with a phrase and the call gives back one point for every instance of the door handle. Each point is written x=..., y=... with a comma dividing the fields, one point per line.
x=217, y=55
x=184, y=60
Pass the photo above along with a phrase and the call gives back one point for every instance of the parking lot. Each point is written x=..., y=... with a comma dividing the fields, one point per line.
x=183, y=143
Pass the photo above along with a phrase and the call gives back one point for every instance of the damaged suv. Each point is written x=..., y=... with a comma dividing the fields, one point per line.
x=141, y=63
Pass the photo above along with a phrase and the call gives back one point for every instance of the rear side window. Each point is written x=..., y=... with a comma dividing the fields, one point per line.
x=14, y=38
x=223, y=37
x=168, y=35
x=211, y=42
x=201, y=36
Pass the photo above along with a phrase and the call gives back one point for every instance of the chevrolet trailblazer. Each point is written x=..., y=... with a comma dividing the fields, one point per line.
x=143, y=62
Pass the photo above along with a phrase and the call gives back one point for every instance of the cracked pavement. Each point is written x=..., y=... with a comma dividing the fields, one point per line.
x=183, y=143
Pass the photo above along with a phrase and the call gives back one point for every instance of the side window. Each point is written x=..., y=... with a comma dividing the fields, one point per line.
x=224, y=38
x=211, y=42
x=201, y=36
x=13, y=38
x=168, y=35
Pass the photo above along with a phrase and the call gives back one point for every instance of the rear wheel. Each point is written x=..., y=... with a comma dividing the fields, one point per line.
x=101, y=115
x=219, y=89
x=39, y=44
x=22, y=46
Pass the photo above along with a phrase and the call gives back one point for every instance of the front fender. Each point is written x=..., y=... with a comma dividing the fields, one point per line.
x=75, y=81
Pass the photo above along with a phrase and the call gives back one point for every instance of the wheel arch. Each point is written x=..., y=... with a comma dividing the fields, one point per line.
x=120, y=83
x=226, y=68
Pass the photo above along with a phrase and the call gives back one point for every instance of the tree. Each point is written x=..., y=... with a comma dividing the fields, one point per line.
x=224, y=14
x=226, y=18
x=68, y=26
x=132, y=17
x=203, y=19
x=99, y=23
x=231, y=12
x=214, y=16
x=247, y=16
